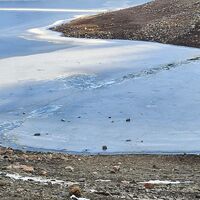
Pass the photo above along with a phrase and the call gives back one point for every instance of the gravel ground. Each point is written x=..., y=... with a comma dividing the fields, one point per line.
x=172, y=21
x=98, y=177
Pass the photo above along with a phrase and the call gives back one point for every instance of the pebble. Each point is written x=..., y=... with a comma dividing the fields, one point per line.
x=104, y=147
x=3, y=183
x=43, y=173
x=149, y=186
x=197, y=196
x=37, y=134
x=75, y=190
x=115, y=169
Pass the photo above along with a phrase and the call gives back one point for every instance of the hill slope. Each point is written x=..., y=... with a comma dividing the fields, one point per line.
x=172, y=21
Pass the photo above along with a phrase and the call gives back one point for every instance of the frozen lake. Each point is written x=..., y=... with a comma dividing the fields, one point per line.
x=79, y=95
x=17, y=16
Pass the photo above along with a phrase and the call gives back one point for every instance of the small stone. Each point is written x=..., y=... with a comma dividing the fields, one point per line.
x=5, y=157
x=43, y=173
x=197, y=196
x=115, y=169
x=26, y=168
x=62, y=120
x=109, y=117
x=82, y=180
x=128, y=140
x=155, y=167
x=19, y=190
x=104, y=147
x=3, y=183
x=125, y=182
x=75, y=190
x=128, y=120
x=37, y=134
x=9, y=151
x=149, y=186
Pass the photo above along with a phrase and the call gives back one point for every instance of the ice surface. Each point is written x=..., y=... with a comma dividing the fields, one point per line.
x=155, y=85
x=94, y=86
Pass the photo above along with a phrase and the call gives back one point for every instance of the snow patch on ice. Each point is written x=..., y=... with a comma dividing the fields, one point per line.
x=7, y=126
x=44, y=111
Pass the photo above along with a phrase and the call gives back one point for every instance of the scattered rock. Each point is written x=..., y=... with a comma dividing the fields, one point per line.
x=63, y=120
x=115, y=169
x=125, y=182
x=43, y=173
x=128, y=140
x=24, y=168
x=3, y=183
x=6, y=151
x=197, y=196
x=128, y=120
x=82, y=180
x=75, y=190
x=149, y=186
x=104, y=193
x=5, y=157
x=104, y=147
x=37, y=134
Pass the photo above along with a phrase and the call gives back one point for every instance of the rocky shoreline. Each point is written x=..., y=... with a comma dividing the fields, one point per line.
x=172, y=22
x=33, y=175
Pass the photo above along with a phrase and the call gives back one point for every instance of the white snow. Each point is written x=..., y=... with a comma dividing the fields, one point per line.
x=37, y=179
x=76, y=198
x=44, y=34
x=102, y=180
x=166, y=182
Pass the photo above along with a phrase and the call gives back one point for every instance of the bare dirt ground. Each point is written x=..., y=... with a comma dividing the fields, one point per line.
x=172, y=21
x=98, y=177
